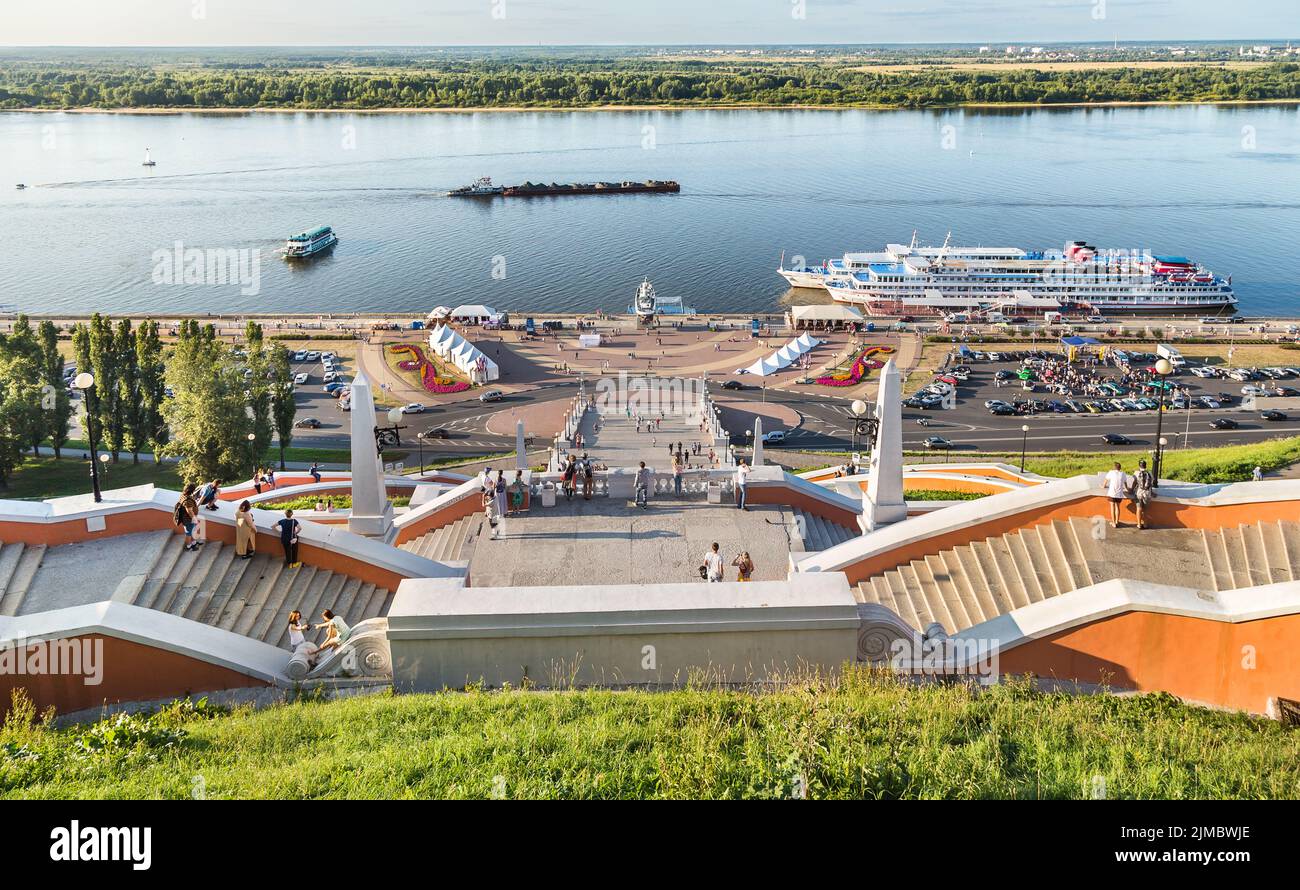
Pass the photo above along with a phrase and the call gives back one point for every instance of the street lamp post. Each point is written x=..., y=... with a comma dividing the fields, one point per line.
x=1024, y=442
x=389, y=435
x=1163, y=369
x=85, y=381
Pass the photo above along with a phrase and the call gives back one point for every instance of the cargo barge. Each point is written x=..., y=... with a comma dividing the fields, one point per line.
x=483, y=188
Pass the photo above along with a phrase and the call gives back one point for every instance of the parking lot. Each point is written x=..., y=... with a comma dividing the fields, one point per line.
x=1081, y=416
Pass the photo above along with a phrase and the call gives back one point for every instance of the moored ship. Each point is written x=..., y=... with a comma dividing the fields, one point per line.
x=914, y=280
x=647, y=305
x=483, y=188
x=309, y=244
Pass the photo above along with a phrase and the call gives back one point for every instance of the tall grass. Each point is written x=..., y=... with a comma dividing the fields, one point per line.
x=863, y=736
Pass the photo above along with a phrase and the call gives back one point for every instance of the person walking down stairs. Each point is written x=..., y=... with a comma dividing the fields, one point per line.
x=289, y=530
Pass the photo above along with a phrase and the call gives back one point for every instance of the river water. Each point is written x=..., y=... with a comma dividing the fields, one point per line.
x=94, y=229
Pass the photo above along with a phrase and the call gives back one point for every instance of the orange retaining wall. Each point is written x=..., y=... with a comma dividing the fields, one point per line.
x=1212, y=662
x=130, y=671
x=466, y=506
x=70, y=531
x=312, y=555
x=785, y=496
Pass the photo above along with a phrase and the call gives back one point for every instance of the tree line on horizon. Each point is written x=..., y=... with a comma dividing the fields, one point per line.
x=533, y=84
x=193, y=401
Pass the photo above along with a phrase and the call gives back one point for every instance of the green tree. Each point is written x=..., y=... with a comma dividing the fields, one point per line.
x=58, y=407
x=283, y=406
x=258, y=374
x=208, y=413
x=129, y=408
x=152, y=385
x=103, y=362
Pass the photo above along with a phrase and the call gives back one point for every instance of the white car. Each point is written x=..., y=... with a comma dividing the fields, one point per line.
x=1249, y=390
x=1201, y=371
x=300, y=356
x=328, y=356
x=299, y=379
x=330, y=377
x=776, y=437
x=413, y=408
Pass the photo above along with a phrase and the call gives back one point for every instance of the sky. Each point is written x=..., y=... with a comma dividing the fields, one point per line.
x=557, y=22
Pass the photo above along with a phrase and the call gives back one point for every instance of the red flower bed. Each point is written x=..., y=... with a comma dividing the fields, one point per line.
x=861, y=365
x=428, y=373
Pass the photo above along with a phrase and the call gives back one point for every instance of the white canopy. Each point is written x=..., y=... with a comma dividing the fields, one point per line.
x=440, y=312
x=473, y=312
x=831, y=312
x=471, y=360
x=784, y=357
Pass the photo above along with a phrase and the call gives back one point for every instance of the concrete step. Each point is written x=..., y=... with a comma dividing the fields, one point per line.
x=221, y=591
x=374, y=607
x=1236, y=550
x=965, y=592
x=992, y=575
x=351, y=610
x=933, y=598
x=276, y=573
x=1275, y=555
x=1057, y=556
x=948, y=594
x=1220, y=575
x=342, y=602
x=905, y=606
x=170, y=554
x=128, y=589
x=225, y=608
x=912, y=587
x=988, y=604
x=214, y=560
x=293, y=581
x=24, y=573
x=1252, y=539
x=1039, y=562
x=1018, y=571
x=1291, y=537
x=10, y=554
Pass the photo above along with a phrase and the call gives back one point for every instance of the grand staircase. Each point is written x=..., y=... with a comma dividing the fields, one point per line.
x=252, y=597
x=821, y=534
x=974, y=583
x=451, y=543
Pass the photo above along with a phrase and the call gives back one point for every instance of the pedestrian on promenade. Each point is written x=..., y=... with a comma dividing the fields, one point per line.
x=186, y=516
x=1117, y=485
x=713, y=565
x=289, y=529
x=501, y=493
x=570, y=471
x=1257, y=475
x=490, y=508
x=315, y=471
x=245, y=532
x=744, y=566
x=270, y=478
x=257, y=480
x=677, y=474
x=643, y=480
x=1143, y=491
x=742, y=483
x=588, y=478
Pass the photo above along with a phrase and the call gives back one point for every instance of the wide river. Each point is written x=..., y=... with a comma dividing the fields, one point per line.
x=1220, y=184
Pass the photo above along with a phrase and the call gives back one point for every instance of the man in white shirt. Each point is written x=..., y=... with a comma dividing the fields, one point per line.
x=742, y=479
x=1117, y=486
x=713, y=564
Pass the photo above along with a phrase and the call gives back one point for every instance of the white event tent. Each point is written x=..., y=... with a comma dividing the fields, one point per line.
x=784, y=357
x=451, y=346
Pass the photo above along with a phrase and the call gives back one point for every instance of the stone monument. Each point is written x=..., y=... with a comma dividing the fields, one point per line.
x=372, y=512
x=882, y=502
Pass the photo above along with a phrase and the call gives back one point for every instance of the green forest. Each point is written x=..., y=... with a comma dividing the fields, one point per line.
x=545, y=83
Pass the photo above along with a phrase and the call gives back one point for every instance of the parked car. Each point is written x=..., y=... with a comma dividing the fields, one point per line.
x=1116, y=439
x=1223, y=423
x=300, y=356
x=300, y=379
x=307, y=423
x=1002, y=410
x=413, y=408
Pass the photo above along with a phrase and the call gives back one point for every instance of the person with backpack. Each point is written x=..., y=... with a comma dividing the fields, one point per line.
x=1144, y=484
x=185, y=514
x=588, y=477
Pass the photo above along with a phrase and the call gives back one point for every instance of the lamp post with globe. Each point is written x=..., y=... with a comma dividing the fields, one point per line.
x=85, y=381
x=1163, y=370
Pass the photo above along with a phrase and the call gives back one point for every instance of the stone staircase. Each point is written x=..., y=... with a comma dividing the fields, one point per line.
x=252, y=597
x=821, y=534
x=19, y=564
x=973, y=583
x=451, y=543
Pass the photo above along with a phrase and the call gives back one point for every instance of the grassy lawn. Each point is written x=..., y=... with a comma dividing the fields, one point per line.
x=866, y=736
x=45, y=477
x=1225, y=463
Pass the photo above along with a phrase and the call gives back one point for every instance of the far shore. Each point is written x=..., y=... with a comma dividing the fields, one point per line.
x=516, y=109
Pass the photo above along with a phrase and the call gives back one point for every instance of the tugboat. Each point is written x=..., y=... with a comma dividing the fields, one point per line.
x=482, y=188
x=20, y=186
x=310, y=244
x=148, y=160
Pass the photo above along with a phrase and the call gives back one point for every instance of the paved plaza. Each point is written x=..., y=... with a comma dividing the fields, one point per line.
x=608, y=541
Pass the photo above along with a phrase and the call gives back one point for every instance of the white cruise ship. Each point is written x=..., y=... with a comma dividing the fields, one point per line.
x=913, y=280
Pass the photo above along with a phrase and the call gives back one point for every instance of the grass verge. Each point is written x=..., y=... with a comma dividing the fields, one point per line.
x=865, y=736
